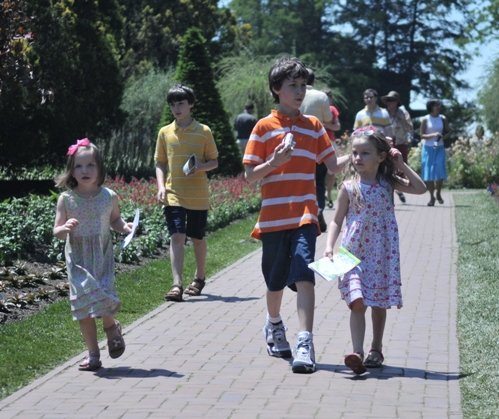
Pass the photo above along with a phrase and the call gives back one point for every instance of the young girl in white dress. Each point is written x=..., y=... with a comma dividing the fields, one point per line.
x=85, y=214
x=371, y=234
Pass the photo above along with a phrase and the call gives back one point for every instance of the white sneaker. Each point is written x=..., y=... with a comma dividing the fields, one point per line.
x=304, y=361
x=277, y=344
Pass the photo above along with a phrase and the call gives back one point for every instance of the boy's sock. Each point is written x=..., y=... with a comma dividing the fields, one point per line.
x=274, y=320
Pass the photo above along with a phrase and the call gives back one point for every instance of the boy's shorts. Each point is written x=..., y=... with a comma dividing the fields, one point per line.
x=192, y=223
x=286, y=255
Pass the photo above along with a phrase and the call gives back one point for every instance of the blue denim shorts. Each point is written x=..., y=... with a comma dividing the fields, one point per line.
x=192, y=223
x=286, y=255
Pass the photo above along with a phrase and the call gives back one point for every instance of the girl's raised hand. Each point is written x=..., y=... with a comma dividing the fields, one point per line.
x=397, y=157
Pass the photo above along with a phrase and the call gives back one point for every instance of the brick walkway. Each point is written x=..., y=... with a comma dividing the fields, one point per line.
x=206, y=357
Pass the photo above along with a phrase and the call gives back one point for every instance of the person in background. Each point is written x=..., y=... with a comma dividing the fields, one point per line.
x=433, y=128
x=316, y=103
x=336, y=126
x=243, y=124
x=372, y=114
x=401, y=128
x=186, y=196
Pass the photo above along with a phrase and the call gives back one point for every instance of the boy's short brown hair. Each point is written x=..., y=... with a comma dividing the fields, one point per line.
x=284, y=68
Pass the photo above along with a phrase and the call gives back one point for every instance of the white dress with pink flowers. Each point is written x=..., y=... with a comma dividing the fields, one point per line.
x=371, y=234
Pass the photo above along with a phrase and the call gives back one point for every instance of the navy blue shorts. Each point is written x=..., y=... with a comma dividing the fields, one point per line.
x=286, y=255
x=192, y=223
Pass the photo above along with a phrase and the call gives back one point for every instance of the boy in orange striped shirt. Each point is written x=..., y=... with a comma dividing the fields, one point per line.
x=288, y=224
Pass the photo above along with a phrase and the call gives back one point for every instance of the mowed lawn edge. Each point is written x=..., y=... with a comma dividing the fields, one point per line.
x=477, y=221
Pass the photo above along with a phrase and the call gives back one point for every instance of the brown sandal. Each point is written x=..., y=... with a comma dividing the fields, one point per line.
x=195, y=287
x=374, y=359
x=115, y=341
x=354, y=362
x=175, y=293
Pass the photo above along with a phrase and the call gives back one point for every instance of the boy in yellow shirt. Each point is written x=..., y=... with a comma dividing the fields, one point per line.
x=185, y=195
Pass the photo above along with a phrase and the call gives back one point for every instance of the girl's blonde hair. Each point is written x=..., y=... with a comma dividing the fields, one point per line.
x=66, y=179
x=386, y=169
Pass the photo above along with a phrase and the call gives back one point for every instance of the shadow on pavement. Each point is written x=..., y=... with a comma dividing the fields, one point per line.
x=128, y=372
x=387, y=372
x=226, y=299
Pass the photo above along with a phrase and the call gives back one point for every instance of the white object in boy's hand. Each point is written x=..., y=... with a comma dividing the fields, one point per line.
x=135, y=224
x=288, y=141
x=189, y=165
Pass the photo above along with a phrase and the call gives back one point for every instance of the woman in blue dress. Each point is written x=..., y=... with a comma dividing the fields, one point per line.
x=433, y=171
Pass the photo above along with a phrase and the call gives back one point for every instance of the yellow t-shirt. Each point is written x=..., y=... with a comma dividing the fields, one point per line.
x=173, y=147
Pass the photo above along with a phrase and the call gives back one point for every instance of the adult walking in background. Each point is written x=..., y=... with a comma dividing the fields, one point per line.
x=433, y=128
x=372, y=114
x=331, y=177
x=243, y=125
x=400, y=129
x=316, y=103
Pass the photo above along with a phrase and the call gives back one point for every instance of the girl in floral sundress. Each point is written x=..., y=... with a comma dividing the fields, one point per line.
x=366, y=201
x=85, y=214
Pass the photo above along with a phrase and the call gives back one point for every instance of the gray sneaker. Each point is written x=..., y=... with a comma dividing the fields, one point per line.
x=277, y=344
x=304, y=361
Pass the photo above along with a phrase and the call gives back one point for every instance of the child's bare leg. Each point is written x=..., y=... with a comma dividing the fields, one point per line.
x=274, y=299
x=358, y=325
x=305, y=303
x=89, y=331
x=177, y=243
x=378, y=316
x=108, y=322
x=200, y=249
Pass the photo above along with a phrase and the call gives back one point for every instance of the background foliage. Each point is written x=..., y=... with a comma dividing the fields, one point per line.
x=67, y=66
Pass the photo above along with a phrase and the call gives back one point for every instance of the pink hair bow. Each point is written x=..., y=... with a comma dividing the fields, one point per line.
x=84, y=142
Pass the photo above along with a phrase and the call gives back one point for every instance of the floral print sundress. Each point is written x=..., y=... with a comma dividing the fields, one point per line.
x=371, y=234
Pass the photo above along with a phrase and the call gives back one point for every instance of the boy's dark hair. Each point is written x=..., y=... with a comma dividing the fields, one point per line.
x=249, y=106
x=311, y=77
x=370, y=91
x=285, y=68
x=180, y=92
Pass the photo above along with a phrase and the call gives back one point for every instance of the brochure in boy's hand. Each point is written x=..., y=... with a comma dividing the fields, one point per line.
x=135, y=224
x=342, y=262
x=189, y=165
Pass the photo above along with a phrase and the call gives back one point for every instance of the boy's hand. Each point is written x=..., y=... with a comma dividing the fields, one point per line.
x=161, y=195
x=282, y=154
x=328, y=253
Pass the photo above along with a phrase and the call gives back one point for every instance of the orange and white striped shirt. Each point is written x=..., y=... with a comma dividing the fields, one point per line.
x=288, y=193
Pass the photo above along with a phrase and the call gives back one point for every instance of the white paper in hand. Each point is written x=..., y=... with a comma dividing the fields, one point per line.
x=189, y=165
x=135, y=224
x=342, y=262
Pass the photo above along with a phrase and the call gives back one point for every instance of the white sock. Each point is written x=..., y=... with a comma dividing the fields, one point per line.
x=274, y=320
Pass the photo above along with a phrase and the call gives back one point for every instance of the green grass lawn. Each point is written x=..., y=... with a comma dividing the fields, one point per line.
x=477, y=223
x=31, y=348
